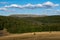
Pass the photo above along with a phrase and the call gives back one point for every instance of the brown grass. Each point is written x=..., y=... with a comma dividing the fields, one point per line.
x=30, y=36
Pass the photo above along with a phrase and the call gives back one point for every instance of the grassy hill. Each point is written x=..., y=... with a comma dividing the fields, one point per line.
x=30, y=24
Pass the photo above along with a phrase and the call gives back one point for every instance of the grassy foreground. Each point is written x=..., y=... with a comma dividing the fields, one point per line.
x=30, y=36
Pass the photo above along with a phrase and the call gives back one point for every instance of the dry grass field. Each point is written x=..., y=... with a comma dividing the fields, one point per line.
x=31, y=36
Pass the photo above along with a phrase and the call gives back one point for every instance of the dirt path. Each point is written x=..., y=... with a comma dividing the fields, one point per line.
x=30, y=36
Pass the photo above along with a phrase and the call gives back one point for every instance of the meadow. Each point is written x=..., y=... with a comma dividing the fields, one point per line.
x=31, y=36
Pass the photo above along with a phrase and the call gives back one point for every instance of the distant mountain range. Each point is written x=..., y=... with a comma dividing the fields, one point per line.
x=27, y=15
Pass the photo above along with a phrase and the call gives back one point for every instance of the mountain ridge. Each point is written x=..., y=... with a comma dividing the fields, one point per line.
x=27, y=15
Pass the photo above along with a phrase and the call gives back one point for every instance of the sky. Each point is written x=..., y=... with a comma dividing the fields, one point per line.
x=35, y=7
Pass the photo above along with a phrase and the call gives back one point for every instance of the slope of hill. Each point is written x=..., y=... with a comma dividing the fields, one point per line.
x=30, y=24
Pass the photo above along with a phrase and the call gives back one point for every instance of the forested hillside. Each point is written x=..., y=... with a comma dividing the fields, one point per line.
x=30, y=24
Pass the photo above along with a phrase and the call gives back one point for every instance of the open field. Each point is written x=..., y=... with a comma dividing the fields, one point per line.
x=30, y=36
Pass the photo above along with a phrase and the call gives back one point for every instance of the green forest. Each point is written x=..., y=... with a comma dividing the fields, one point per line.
x=30, y=24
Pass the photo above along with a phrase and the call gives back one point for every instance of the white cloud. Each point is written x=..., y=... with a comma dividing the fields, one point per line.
x=39, y=5
x=47, y=4
x=28, y=6
x=52, y=11
x=58, y=11
x=14, y=6
x=3, y=9
x=24, y=6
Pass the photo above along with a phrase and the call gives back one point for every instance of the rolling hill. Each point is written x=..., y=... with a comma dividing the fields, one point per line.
x=18, y=24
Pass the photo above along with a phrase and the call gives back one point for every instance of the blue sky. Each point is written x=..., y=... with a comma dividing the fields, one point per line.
x=39, y=7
